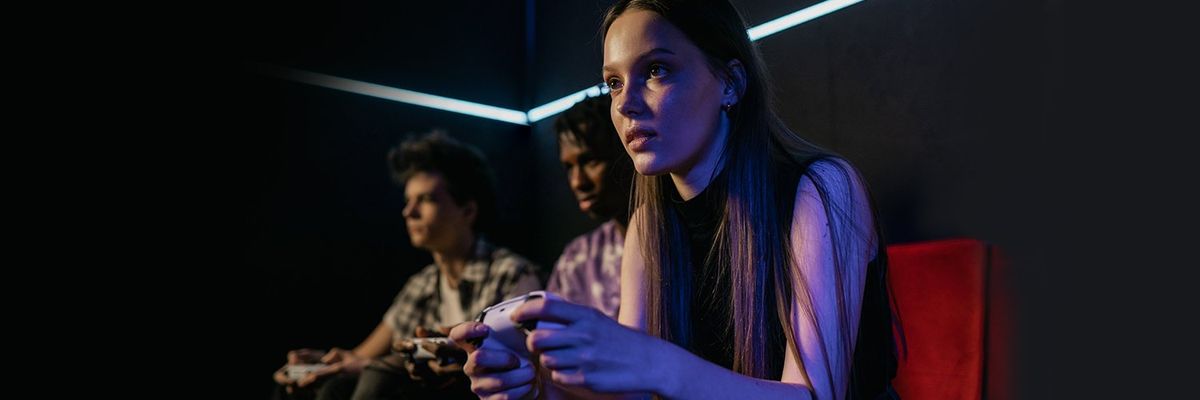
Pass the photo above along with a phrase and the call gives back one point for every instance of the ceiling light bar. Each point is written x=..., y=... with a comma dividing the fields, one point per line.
x=400, y=95
x=799, y=17
x=537, y=113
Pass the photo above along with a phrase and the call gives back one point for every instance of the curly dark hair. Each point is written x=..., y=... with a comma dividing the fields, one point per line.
x=588, y=123
x=464, y=168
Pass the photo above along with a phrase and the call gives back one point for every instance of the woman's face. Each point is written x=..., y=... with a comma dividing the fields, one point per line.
x=666, y=100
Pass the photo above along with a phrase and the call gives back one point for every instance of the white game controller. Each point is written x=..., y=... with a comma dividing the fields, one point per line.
x=297, y=371
x=421, y=353
x=508, y=335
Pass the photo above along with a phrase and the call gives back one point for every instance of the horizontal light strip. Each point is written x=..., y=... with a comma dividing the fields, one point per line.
x=537, y=113
x=401, y=95
x=799, y=17
x=560, y=105
x=758, y=32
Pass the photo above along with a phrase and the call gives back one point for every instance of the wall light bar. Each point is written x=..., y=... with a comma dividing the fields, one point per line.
x=537, y=113
x=560, y=105
x=799, y=17
x=400, y=95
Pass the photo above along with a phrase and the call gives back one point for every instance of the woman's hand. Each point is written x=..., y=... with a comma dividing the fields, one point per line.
x=495, y=373
x=593, y=351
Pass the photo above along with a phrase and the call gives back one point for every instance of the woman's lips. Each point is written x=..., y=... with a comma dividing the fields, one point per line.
x=636, y=138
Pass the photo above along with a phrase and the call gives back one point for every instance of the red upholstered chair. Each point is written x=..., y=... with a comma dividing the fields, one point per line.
x=953, y=307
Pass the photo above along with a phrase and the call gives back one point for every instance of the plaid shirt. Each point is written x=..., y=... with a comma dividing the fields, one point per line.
x=491, y=276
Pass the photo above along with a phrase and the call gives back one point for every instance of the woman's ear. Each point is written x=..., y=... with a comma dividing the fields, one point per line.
x=735, y=82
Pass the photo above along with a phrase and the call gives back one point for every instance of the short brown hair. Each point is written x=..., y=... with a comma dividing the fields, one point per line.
x=464, y=168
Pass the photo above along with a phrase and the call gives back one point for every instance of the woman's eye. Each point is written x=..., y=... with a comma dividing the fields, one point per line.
x=657, y=70
x=613, y=83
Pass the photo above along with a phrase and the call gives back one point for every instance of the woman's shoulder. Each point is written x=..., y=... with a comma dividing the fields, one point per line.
x=832, y=179
x=833, y=169
x=831, y=191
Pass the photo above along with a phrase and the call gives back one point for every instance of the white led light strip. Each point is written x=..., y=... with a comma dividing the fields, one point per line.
x=537, y=113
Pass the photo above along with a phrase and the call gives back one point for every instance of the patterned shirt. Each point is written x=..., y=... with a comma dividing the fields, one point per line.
x=492, y=275
x=589, y=270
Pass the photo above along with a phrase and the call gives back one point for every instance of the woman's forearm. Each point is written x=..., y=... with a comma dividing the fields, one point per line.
x=554, y=391
x=683, y=375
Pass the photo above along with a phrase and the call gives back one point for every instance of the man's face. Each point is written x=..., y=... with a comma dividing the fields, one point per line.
x=586, y=175
x=435, y=222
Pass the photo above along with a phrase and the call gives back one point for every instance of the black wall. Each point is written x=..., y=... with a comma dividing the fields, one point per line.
x=323, y=243
x=948, y=107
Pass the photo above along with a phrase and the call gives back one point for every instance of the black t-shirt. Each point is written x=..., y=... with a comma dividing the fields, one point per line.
x=712, y=325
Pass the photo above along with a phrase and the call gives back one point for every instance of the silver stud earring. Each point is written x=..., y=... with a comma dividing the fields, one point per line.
x=727, y=107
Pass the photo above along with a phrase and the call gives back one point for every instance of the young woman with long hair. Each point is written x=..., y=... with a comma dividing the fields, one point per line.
x=753, y=264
